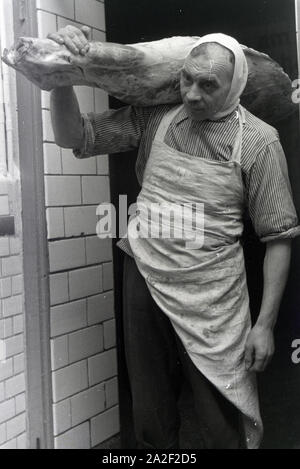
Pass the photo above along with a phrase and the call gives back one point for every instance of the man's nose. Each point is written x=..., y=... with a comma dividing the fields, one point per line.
x=193, y=94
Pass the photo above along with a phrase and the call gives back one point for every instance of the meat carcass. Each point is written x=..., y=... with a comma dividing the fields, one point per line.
x=145, y=74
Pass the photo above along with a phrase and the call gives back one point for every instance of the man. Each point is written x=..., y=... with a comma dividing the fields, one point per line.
x=188, y=308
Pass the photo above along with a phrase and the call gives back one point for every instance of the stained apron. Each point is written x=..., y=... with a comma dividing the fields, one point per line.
x=202, y=290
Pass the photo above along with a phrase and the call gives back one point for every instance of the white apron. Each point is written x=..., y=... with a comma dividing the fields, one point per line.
x=203, y=291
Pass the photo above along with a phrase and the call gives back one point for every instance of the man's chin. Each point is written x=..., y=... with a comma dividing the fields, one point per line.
x=197, y=115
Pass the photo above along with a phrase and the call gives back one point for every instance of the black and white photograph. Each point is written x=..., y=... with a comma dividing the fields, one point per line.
x=149, y=227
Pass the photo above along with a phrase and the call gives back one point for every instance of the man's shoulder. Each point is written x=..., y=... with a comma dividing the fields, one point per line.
x=259, y=130
x=154, y=113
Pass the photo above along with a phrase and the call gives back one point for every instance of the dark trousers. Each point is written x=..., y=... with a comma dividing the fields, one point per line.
x=156, y=361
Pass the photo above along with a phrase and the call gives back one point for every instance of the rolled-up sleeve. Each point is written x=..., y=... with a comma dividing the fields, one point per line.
x=113, y=131
x=270, y=199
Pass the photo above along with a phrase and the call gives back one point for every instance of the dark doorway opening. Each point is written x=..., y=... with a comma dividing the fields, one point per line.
x=268, y=26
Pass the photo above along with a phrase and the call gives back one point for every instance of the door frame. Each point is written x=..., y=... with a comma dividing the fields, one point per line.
x=35, y=247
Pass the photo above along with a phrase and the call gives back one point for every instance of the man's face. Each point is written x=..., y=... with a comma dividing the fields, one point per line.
x=205, y=83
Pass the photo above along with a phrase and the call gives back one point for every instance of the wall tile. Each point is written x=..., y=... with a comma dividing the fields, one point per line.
x=12, y=305
x=18, y=363
x=63, y=22
x=85, y=96
x=6, y=369
x=62, y=416
x=4, y=246
x=95, y=189
x=80, y=220
x=17, y=284
x=22, y=441
x=14, y=245
x=4, y=187
x=111, y=392
x=11, y=266
x=68, y=317
x=102, y=367
x=7, y=410
x=100, y=307
x=105, y=426
x=85, y=282
x=6, y=328
x=46, y=23
x=72, y=165
x=98, y=250
x=12, y=444
x=102, y=164
x=52, y=159
x=14, y=345
x=98, y=35
x=101, y=100
x=91, y=13
x=76, y=438
x=16, y=426
x=59, y=288
x=69, y=380
x=5, y=287
x=14, y=385
x=66, y=254
x=85, y=343
x=62, y=190
x=2, y=433
x=109, y=334
x=18, y=324
x=4, y=205
x=87, y=404
x=48, y=134
x=55, y=222
x=108, y=276
x=59, y=352
x=20, y=403
x=63, y=8
x=45, y=99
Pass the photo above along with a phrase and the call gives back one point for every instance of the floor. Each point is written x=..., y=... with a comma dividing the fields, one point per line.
x=189, y=438
x=281, y=414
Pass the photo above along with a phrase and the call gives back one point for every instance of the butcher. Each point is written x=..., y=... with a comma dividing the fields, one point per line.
x=186, y=308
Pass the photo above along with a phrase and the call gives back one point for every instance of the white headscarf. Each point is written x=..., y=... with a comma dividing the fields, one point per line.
x=240, y=74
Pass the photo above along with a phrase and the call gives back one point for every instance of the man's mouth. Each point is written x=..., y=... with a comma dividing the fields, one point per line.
x=196, y=109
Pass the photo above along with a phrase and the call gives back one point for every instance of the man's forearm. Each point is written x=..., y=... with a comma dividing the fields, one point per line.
x=276, y=269
x=66, y=118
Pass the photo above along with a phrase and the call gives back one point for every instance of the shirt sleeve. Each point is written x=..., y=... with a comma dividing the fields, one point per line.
x=113, y=131
x=270, y=199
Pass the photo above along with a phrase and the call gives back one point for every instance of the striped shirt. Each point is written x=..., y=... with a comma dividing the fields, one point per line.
x=268, y=195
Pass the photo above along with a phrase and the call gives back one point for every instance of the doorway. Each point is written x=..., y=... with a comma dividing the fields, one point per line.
x=268, y=26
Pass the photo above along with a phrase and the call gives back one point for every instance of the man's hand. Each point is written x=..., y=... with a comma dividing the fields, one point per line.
x=259, y=348
x=75, y=39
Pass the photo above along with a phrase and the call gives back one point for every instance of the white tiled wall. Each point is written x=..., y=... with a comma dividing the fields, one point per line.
x=12, y=370
x=83, y=353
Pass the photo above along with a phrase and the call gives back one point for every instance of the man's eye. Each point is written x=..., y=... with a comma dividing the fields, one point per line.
x=187, y=78
x=208, y=86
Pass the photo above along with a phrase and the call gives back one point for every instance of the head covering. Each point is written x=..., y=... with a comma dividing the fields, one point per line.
x=240, y=74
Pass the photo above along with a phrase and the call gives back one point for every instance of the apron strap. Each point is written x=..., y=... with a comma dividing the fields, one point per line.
x=237, y=149
x=165, y=123
x=168, y=118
